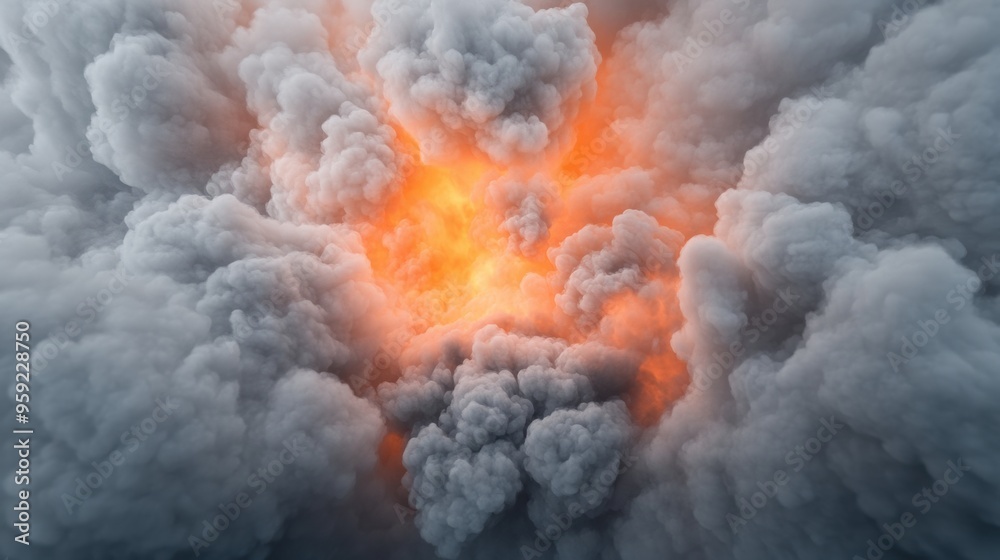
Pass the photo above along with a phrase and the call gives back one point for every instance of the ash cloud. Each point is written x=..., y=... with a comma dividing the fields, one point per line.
x=796, y=219
x=518, y=414
x=801, y=219
x=497, y=74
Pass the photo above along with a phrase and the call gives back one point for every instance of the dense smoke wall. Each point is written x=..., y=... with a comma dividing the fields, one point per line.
x=604, y=280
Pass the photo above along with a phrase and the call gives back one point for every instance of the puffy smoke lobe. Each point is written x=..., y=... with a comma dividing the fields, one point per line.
x=525, y=209
x=422, y=280
x=320, y=146
x=190, y=339
x=159, y=121
x=599, y=262
x=474, y=455
x=495, y=74
x=484, y=433
x=855, y=299
x=903, y=152
x=574, y=452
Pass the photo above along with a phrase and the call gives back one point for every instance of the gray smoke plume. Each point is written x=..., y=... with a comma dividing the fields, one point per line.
x=800, y=197
x=499, y=74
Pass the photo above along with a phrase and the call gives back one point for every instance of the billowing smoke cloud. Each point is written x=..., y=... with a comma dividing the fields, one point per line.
x=841, y=322
x=602, y=280
x=497, y=74
x=525, y=209
x=518, y=411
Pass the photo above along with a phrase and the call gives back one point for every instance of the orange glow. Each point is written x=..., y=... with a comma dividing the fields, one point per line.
x=439, y=253
x=440, y=257
x=432, y=250
x=390, y=457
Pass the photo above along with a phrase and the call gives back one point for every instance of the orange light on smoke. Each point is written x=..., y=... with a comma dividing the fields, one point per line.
x=440, y=257
x=390, y=457
x=432, y=249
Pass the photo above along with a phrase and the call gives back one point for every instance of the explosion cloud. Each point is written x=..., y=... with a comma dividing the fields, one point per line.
x=626, y=280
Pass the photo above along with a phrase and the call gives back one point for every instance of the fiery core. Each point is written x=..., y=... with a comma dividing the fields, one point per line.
x=446, y=252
